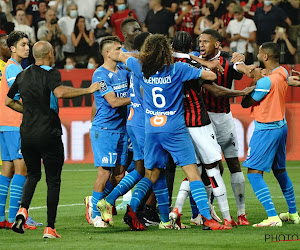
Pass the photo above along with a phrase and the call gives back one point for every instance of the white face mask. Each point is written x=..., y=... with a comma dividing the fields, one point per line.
x=73, y=13
x=69, y=66
x=90, y=66
x=101, y=13
x=267, y=3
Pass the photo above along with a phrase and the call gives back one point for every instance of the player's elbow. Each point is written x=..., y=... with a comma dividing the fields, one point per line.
x=245, y=104
x=9, y=102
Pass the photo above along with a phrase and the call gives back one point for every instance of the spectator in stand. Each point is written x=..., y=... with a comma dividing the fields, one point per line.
x=94, y=62
x=170, y=5
x=70, y=63
x=159, y=20
x=86, y=8
x=266, y=19
x=287, y=46
x=202, y=23
x=99, y=23
x=82, y=40
x=117, y=18
x=32, y=10
x=40, y=19
x=52, y=33
x=66, y=25
x=20, y=5
x=60, y=7
x=186, y=17
x=3, y=19
x=140, y=7
x=241, y=33
x=250, y=7
x=228, y=16
x=20, y=25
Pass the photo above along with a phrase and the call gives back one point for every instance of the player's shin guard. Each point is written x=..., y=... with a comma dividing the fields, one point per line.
x=219, y=191
x=238, y=186
x=16, y=190
x=96, y=197
x=183, y=193
x=262, y=192
x=162, y=196
x=139, y=193
x=287, y=190
x=4, y=186
x=195, y=210
x=200, y=197
x=125, y=185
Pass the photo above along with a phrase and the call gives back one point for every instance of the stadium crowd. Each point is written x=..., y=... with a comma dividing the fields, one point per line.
x=74, y=27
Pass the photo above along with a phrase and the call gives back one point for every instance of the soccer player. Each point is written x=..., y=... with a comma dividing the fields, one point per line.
x=198, y=123
x=165, y=130
x=39, y=87
x=13, y=166
x=267, y=148
x=220, y=115
x=108, y=133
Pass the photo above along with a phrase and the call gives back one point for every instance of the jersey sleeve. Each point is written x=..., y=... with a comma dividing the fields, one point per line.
x=262, y=88
x=134, y=65
x=188, y=71
x=11, y=73
x=13, y=90
x=55, y=80
x=105, y=86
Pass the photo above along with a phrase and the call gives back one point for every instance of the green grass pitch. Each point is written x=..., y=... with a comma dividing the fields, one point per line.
x=77, y=182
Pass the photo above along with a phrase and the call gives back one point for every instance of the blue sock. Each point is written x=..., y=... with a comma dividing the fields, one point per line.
x=262, y=192
x=200, y=196
x=16, y=190
x=162, y=196
x=194, y=208
x=139, y=193
x=4, y=186
x=108, y=188
x=124, y=186
x=96, y=197
x=287, y=190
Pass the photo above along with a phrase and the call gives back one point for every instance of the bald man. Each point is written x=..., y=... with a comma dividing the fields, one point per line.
x=39, y=87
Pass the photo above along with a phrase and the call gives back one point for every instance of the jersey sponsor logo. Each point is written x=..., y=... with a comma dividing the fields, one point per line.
x=103, y=86
x=105, y=160
x=131, y=112
x=160, y=113
x=158, y=120
x=158, y=80
x=135, y=105
x=121, y=86
x=121, y=95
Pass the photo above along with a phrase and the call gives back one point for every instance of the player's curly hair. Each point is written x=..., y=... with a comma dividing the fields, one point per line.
x=155, y=54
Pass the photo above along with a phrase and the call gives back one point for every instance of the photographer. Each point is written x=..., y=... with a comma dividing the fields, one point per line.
x=51, y=32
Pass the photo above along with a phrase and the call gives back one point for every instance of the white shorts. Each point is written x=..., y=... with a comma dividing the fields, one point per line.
x=206, y=146
x=224, y=127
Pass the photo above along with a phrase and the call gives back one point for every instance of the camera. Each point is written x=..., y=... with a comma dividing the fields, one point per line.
x=53, y=21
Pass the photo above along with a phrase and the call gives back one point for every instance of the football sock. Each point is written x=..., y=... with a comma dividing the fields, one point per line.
x=209, y=192
x=162, y=196
x=194, y=208
x=219, y=191
x=125, y=184
x=262, y=192
x=127, y=196
x=238, y=187
x=183, y=193
x=97, y=196
x=4, y=186
x=200, y=197
x=287, y=190
x=139, y=193
x=108, y=188
x=16, y=190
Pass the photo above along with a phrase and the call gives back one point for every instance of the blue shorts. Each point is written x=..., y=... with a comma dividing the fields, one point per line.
x=179, y=145
x=137, y=136
x=10, y=142
x=267, y=150
x=109, y=148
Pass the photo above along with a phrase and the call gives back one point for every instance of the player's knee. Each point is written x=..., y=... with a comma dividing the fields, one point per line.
x=233, y=165
x=34, y=176
x=278, y=171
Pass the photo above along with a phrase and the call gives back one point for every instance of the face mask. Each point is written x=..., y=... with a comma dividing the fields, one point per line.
x=90, y=66
x=73, y=13
x=267, y=3
x=101, y=13
x=183, y=8
x=122, y=7
x=69, y=66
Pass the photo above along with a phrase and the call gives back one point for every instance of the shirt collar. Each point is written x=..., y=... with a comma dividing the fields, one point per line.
x=181, y=55
x=16, y=62
x=215, y=57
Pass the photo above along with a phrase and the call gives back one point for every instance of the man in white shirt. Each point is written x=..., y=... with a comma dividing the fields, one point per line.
x=86, y=8
x=66, y=24
x=241, y=33
x=20, y=25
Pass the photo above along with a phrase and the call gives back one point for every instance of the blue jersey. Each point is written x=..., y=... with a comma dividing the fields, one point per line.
x=136, y=117
x=106, y=117
x=163, y=95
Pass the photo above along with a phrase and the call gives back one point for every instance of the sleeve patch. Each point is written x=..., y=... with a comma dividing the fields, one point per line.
x=103, y=86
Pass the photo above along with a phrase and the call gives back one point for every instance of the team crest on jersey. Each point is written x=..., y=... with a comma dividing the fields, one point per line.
x=103, y=86
x=158, y=120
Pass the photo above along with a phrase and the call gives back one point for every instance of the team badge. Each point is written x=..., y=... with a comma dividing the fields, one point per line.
x=103, y=86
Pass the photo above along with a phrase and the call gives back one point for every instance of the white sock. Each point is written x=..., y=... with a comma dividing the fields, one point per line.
x=209, y=191
x=238, y=187
x=219, y=191
x=128, y=195
x=184, y=192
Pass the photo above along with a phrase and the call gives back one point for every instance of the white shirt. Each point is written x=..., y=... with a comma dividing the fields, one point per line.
x=29, y=31
x=86, y=8
x=66, y=24
x=244, y=28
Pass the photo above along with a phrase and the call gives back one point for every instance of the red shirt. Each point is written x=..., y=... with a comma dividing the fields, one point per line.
x=118, y=17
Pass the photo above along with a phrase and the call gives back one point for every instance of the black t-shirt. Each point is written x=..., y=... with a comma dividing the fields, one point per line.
x=168, y=3
x=285, y=56
x=159, y=22
x=40, y=110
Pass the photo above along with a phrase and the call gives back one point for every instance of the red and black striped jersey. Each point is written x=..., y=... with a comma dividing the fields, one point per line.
x=194, y=107
x=221, y=104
